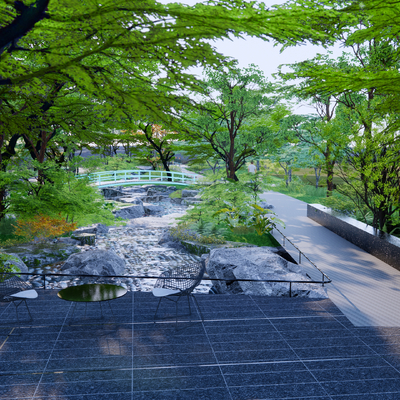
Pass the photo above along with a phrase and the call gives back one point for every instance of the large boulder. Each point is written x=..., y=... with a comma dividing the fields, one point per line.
x=19, y=264
x=94, y=262
x=132, y=199
x=111, y=193
x=167, y=240
x=136, y=211
x=176, y=200
x=189, y=193
x=150, y=209
x=259, y=263
x=95, y=228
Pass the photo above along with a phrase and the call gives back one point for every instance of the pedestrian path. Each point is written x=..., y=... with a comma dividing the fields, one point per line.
x=365, y=289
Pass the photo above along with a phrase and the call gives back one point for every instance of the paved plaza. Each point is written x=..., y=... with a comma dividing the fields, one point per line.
x=246, y=348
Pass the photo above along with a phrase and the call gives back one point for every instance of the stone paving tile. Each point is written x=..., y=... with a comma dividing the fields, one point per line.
x=314, y=355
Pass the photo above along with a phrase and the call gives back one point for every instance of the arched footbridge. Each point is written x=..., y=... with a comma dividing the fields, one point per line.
x=139, y=177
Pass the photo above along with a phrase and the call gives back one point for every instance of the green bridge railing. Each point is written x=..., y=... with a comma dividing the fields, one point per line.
x=134, y=177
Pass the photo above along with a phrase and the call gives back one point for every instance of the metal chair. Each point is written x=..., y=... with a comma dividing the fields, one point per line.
x=176, y=283
x=17, y=291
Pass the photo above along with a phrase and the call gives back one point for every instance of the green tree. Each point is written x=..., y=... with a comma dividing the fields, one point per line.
x=238, y=117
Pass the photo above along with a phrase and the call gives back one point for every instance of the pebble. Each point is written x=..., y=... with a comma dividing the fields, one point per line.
x=143, y=256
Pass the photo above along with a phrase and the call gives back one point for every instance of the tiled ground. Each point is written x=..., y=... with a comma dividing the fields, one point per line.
x=247, y=348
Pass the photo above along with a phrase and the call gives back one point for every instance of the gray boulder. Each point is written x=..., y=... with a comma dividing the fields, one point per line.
x=155, y=199
x=132, y=200
x=167, y=240
x=189, y=193
x=152, y=210
x=177, y=200
x=95, y=228
x=258, y=263
x=110, y=192
x=136, y=211
x=19, y=264
x=68, y=240
x=94, y=262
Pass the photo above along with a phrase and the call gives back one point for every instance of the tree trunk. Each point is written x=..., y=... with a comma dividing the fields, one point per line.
x=329, y=178
x=3, y=207
x=166, y=167
x=317, y=176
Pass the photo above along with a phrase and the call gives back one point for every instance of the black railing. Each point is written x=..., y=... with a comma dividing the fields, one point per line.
x=44, y=275
x=286, y=239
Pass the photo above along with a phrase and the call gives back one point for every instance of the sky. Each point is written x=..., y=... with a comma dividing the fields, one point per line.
x=264, y=54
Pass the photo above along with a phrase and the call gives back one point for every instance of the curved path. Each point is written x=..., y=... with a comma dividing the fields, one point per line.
x=365, y=289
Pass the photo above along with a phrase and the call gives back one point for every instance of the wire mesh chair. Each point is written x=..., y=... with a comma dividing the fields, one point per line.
x=176, y=283
x=17, y=291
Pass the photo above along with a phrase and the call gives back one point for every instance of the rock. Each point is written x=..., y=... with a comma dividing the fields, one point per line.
x=110, y=192
x=167, y=240
x=94, y=262
x=68, y=240
x=85, y=238
x=36, y=255
x=189, y=193
x=132, y=200
x=95, y=228
x=265, y=205
x=191, y=202
x=145, y=168
x=258, y=263
x=159, y=190
x=154, y=199
x=176, y=200
x=152, y=210
x=19, y=264
x=130, y=212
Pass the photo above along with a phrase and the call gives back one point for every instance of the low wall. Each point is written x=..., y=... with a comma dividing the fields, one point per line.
x=380, y=244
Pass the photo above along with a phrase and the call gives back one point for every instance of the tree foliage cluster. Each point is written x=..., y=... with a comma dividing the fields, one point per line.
x=75, y=74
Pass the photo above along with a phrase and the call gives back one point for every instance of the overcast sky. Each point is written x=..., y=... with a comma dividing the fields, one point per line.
x=264, y=54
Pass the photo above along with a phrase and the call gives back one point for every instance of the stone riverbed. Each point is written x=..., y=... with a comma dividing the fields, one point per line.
x=137, y=244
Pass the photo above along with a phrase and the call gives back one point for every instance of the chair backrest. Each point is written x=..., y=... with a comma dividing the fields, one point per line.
x=12, y=285
x=192, y=274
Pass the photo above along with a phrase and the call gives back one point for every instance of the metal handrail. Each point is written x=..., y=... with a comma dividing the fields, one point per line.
x=44, y=275
x=285, y=238
x=123, y=177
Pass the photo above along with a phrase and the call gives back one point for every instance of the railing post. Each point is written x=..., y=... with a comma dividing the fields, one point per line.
x=323, y=280
x=299, y=257
x=283, y=241
x=290, y=289
x=115, y=176
x=125, y=176
x=44, y=281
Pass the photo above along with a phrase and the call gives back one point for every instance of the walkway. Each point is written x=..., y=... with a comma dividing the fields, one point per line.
x=364, y=288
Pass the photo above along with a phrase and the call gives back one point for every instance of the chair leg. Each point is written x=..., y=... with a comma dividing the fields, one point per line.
x=18, y=304
x=26, y=304
x=159, y=301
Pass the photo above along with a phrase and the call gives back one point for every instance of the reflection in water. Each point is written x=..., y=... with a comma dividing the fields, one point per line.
x=92, y=292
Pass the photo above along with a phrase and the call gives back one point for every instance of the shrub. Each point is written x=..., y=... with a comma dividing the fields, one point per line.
x=42, y=227
x=6, y=267
x=176, y=195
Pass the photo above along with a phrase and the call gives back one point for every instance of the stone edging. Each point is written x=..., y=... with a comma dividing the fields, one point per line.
x=383, y=246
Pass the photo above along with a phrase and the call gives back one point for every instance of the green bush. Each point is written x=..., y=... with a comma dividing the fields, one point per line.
x=176, y=195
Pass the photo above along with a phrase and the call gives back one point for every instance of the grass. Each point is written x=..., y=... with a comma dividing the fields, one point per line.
x=252, y=238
